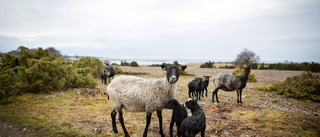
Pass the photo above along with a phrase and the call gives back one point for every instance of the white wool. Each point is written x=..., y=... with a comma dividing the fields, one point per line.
x=138, y=94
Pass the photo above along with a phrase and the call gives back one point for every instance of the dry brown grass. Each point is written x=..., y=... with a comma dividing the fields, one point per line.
x=261, y=114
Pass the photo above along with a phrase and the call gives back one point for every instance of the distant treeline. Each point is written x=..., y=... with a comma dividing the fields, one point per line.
x=175, y=63
x=305, y=66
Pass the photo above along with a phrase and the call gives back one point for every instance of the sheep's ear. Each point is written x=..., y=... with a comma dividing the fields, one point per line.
x=183, y=68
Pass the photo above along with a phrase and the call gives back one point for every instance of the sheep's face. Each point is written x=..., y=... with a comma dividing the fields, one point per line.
x=191, y=103
x=206, y=78
x=247, y=70
x=173, y=73
x=106, y=72
x=171, y=104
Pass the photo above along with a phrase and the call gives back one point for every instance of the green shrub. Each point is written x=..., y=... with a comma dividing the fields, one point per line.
x=227, y=67
x=94, y=63
x=251, y=79
x=118, y=69
x=134, y=64
x=300, y=87
x=39, y=70
x=207, y=65
x=124, y=63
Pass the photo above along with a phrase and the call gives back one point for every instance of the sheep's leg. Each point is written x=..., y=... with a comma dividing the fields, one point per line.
x=202, y=133
x=202, y=91
x=215, y=92
x=122, y=123
x=178, y=131
x=240, y=95
x=239, y=91
x=113, y=117
x=194, y=93
x=206, y=92
x=148, y=118
x=237, y=96
x=190, y=94
x=171, y=125
x=159, y=112
x=102, y=78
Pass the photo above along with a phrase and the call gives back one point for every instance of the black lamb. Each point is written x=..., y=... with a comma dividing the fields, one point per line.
x=195, y=88
x=205, y=84
x=179, y=113
x=107, y=72
x=196, y=123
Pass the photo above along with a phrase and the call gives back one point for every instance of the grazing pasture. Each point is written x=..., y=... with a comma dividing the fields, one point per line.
x=262, y=114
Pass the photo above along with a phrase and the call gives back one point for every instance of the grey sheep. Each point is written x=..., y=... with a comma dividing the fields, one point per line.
x=229, y=82
x=136, y=94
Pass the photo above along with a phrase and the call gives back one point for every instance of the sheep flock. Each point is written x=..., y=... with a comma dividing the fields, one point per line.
x=140, y=94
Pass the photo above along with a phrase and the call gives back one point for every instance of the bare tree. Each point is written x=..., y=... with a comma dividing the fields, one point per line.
x=246, y=57
x=53, y=51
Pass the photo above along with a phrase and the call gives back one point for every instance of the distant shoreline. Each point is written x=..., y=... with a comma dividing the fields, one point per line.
x=161, y=61
x=170, y=61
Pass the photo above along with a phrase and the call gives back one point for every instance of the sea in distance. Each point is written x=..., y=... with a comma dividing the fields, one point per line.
x=157, y=61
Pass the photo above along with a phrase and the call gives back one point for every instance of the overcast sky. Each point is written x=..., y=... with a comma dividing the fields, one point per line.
x=276, y=30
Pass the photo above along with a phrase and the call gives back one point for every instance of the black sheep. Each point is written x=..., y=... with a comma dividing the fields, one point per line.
x=194, y=124
x=205, y=84
x=195, y=87
x=107, y=72
x=179, y=113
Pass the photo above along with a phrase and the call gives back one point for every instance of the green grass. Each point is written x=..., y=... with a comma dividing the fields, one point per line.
x=50, y=115
x=65, y=113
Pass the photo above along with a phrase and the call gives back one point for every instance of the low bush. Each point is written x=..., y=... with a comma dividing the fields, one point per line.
x=304, y=86
x=39, y=71
x=207, y=65
x=251, y=79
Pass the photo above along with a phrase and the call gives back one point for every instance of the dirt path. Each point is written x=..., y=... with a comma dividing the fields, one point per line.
x=8, y=129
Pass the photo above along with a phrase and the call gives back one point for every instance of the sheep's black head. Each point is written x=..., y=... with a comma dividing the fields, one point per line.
x=247, y=70
x=173, y=73
x=172, y=104
x=206, y=78
x=198, y=81
x=191, y=103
